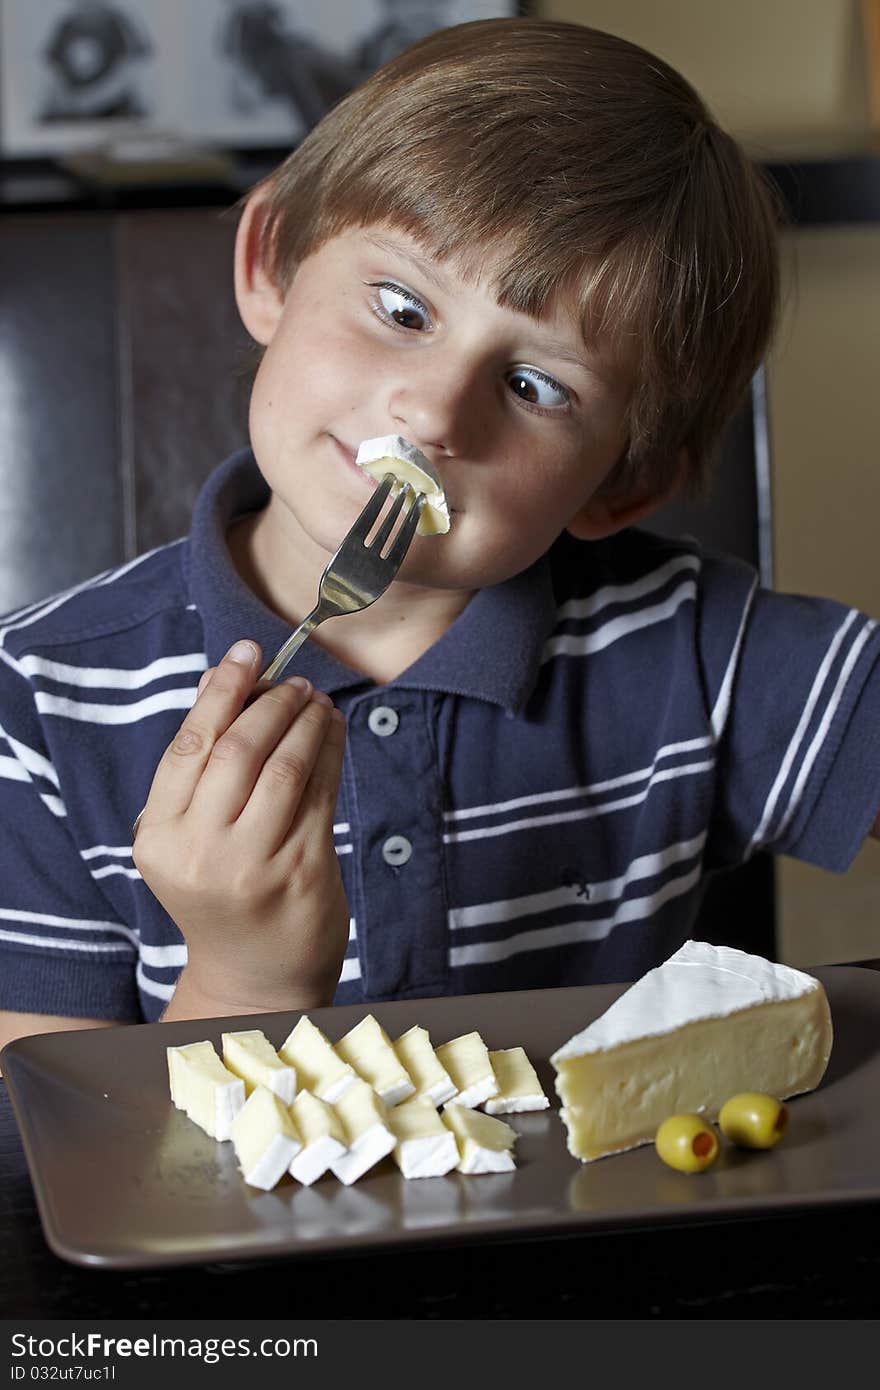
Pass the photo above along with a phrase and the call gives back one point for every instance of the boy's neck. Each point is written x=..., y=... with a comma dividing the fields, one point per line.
x=380, y=641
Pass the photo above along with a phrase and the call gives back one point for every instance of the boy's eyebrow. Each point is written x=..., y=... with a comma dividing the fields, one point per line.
x=556, y=347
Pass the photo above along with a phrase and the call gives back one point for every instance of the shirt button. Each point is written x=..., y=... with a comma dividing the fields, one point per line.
x=396, y=850
x=383, y=720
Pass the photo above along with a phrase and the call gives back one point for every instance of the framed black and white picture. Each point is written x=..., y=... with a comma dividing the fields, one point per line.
x=79, y=74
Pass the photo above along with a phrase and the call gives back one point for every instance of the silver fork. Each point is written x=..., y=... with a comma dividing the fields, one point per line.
x=358, y=573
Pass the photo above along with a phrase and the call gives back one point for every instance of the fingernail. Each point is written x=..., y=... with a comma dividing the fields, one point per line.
x=321, y=698
x=243, y=653
x=299, y=683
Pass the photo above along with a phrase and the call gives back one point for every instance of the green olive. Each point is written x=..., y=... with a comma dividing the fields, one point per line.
x=753, y=1120
x=687, y=1143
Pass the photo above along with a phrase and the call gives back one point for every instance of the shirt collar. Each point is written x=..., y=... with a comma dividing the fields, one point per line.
x=491, y=652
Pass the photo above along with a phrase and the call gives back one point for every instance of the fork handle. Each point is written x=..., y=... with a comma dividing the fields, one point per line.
x=279, y=663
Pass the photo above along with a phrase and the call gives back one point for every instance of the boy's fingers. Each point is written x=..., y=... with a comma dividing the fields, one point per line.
x=240, y=753
x=216, y=705
x=317, y=805
x=286, y=775
x=204, y=678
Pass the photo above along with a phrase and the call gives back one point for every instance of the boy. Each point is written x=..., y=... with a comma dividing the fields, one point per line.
x=527, y=248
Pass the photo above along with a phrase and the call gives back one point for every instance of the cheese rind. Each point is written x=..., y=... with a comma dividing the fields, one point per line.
x=430, y=1078
x=323, y=1138
x=250, y=1055
x=519, y=1087
x=466, y=1058
x=201, y=1086
x=265, y=1138
x=708, y=1023
x=318, y=1066
x=391, y=453
x=425, y=1147
x=364, y=1119
x=485, y=1145
x=368, y=1048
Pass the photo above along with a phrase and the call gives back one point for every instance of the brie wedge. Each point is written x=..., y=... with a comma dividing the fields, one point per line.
x=365, y=1121
x=432, y=1081
x=265, y=1139
x=201, y=1086
x=318, y=1066
x=466, y=1058
x=485, y=1145
x=250, y=1055
x=368, y=1048
x=393, y=454
x=709, y=1022
x=520, y=1088
x=425, y=1147
x=322, y=1135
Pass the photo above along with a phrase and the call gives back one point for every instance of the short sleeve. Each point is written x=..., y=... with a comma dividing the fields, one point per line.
x=794, y=686
x=62, y=950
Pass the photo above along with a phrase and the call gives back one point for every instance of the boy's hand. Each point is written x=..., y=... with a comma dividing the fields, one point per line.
x=236, y=842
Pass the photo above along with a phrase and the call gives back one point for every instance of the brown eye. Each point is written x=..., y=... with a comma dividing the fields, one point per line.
x=536, y=388
x=401, y=307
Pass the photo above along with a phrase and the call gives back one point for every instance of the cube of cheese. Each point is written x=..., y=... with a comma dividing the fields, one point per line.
x=432, y=1081
x=323, y=1138
x=265, y=1138
x=369, y=1050
x=395, y=455
x=365, y=1122
x=709, y=1022
x=466, y=1058
x=201, y=1086
x=250, y=1055
x=485, y=1145
x=425, y=1147
x=319, y=1068
x=520, y=1088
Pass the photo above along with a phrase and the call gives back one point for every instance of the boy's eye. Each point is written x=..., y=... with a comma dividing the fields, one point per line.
x=401, y=307
x=536, y=388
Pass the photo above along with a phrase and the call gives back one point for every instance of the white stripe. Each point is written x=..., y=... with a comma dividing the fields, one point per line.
x=180, y=698
x=34, y=762
x=165, y=957
x=799, y=733
x=108, y=869
x=45, y=919
x=623, y=593
x=12, y=770
x=55, y=804
x=822, y=731
x=95, y=948
x=352, y=929
x=722, y=704
x=644, y=866
x=153, y=987
x=113, y=678
x=95, y=851
x=342, y=828
x=625, y=779
x=567, y=644
x=344, y=849
x=586, y=813
x=568, y=933
x=351, y=970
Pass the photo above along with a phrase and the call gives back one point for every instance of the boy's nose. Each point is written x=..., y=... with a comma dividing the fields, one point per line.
x=436, y=408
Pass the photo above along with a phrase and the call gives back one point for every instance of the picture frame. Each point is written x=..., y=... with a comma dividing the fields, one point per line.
x=82, y=75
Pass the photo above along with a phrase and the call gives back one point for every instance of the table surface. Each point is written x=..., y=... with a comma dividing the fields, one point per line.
x=817, y=1263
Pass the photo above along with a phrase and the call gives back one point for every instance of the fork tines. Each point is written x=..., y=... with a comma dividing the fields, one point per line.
x=406, y=497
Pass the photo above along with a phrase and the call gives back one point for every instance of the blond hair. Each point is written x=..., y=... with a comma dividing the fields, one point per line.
x=597, y=178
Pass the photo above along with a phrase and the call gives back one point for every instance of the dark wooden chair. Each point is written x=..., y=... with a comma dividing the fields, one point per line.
x=124, y=378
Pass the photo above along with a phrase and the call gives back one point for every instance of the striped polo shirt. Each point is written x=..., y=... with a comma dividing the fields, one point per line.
x=533, y=803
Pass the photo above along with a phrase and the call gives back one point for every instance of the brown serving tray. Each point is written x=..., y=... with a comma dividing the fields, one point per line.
x=123, y=1180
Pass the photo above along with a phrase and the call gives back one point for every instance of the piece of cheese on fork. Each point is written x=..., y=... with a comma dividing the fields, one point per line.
x=431, y=1079
x=709, y=1022
x=250, y=1055
x=323, y=1138
x=519, y=1087
x=391, y=453
x=368, y=1048
x=425, y=1147
x=368, y=1135
x=466, y=1058
x=201, y=1086
x=265, y=1139
x=318, y=1066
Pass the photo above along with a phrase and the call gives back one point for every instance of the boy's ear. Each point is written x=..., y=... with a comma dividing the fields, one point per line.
x=610, y=511
x=259, y=299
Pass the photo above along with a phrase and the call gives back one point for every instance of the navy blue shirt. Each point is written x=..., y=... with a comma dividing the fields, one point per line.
x=534, y=802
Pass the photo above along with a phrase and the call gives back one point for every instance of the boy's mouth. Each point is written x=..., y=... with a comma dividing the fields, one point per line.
x=350, y=455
